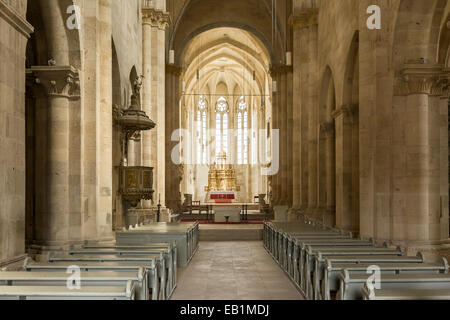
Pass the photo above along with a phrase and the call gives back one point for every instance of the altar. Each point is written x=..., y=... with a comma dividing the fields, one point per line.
x=222, y=196
x=222, y=186
x=227, y=214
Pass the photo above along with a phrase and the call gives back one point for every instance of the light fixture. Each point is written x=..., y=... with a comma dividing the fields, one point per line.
x=171, y=57
x=289, y=58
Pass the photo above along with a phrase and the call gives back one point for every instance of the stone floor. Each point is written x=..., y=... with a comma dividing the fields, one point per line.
x=234, y=271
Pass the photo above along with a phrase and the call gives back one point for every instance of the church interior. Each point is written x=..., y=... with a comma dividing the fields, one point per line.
x=224, y=150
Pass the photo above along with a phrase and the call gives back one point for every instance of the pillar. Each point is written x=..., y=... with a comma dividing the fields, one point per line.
x=105, y=124
x=174, y=172
x=418, y=186
x=61, y=85
x=344, y=214
x=274, y=179
x=305, y=25
x=147, y=90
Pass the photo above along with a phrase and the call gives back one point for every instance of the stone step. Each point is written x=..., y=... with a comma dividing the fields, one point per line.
x=231, y=234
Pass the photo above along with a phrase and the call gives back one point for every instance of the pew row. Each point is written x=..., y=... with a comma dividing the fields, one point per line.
x=310, y=267
x=331, y=279
x=298, y=255
x=87, y=279
x=63, y=293
x=171, y=247
x=351, y=285
x=421, y=294
x=150, y=269
x=158, y=259
x=185, y=235
x=170, y=263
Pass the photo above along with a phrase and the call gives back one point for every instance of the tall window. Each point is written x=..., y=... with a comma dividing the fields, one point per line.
x=201, y=130
x=221, y=126
x=242, y=128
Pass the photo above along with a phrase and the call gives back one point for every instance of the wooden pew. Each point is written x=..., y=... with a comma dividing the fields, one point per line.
x=351, y=285
x=88, y=279
x=170, y=263
x=333, y=270
x=297, y=243
x=158, y=258
x=286, y=238
x=298, y=255
x=311, y=252
x=420, y=294
x=184, y=234
x=172, y=247
x=271, y=230
x=280, y=239
x=63, y=293
x=153, y=282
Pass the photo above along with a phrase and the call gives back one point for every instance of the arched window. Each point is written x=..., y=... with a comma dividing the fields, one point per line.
x=242, y=132
x=201, y=130
x=221, y=126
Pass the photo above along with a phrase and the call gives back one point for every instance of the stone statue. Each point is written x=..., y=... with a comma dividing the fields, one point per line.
x=137, y=85
x=136, y=96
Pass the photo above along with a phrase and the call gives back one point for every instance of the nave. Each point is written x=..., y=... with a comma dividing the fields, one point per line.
x=234, y=270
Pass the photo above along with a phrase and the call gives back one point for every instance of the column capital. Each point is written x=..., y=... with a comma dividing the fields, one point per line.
x=304, y=18
x=441, y=87
x=155, y=18
x=418, y=79
x=59, y=81
x=280, y=69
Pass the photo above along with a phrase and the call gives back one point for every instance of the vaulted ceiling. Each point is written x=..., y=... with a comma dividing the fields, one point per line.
x=229, y=56
x=193, y=17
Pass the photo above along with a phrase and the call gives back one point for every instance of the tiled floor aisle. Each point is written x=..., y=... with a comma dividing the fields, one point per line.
x=234, y=271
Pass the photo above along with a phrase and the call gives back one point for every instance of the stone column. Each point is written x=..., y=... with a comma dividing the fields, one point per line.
x=159, y=110
x=421, y=187
x=284, y=149
x=174, y=173
x=344, y=216
x=61, y=85
x=282, y=114
x=155, y=21
x=104, y=126
x=147, y=90
x=274, y=179
x=291, y=148
x=443, y=97
x=305, y=24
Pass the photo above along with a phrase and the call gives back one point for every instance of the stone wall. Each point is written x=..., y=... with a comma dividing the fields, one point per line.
x=12, y=128
x=127, y=36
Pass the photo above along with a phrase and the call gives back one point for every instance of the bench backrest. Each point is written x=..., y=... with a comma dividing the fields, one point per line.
x=64, y=293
